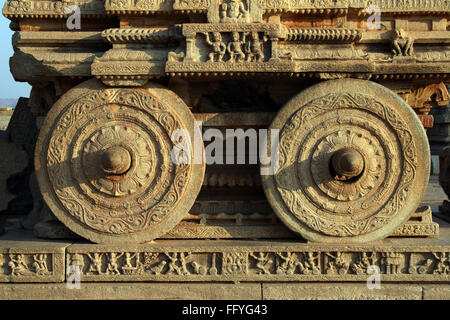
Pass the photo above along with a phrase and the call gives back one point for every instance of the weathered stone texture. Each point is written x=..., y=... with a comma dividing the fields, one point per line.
x=437, y=292
x=340, y=292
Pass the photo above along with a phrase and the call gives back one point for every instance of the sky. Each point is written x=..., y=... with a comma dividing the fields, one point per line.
x=9, y=88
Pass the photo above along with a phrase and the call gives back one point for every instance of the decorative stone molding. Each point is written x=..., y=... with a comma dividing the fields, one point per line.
x=262, y=261
x=42, y=9
x=424, y=98
x=31, y=265
x=51, y=9
x=148, y=35
x=324, y=35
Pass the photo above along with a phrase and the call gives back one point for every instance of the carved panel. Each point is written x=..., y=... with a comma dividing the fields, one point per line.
x=272, y=261
x=31, y=265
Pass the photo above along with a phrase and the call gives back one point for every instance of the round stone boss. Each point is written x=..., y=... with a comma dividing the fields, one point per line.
x=104, y=162
x=353, y=162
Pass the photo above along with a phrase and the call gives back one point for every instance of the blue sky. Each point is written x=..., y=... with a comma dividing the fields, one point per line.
x=9, y=88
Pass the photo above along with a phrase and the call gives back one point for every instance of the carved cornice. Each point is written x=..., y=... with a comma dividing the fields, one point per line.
x=51, y=9
x=385, y=5
x=138, y=6
x=57, y=9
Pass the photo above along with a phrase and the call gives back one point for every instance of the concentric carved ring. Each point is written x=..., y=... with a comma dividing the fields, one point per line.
x=104, y=162
x=353, y=162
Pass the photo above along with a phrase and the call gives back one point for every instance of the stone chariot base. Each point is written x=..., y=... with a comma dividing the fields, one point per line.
x=408, y=268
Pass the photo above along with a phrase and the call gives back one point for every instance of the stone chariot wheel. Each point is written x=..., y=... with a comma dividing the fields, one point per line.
x=104, y=162
x=353, y=162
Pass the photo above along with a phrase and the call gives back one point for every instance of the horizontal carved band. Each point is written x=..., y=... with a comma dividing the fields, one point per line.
x=149, y=35
x=57, y=9
x=324, y=35
x=274, y=261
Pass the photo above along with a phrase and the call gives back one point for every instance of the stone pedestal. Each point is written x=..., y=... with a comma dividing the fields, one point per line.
x=217, y=269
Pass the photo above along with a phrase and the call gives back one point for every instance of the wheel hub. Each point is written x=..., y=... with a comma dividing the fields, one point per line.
x=347, y=163
x=116, y=160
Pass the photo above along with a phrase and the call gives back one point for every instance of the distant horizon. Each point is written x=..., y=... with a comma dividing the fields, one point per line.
x=9, y=88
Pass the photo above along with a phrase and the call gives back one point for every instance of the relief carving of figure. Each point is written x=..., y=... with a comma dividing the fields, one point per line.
x=173, y=266
x=96, y=263
x=402, y=44
x=262, y=264
x=288, y=264
x=18, y=265
x=309, y=265
x=254, y=48
x=362, y=264
x=40, y=264
x=338, y=265
x=113, y=267
x=443, y=264
x=235, y=48
x=234, y=11
x=219, y=47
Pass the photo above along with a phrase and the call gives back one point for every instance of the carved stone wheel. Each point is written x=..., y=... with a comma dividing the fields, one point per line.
x=104, y=165
x=353, y=162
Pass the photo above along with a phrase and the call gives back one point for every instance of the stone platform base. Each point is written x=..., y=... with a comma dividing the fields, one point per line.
x=224, y=291
x=408, y=268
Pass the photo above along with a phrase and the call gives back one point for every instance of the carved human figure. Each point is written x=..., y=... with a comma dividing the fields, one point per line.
x=40, y=264
x=113, y=267
x=338, y=264
x=183, y=257
x=173, y=267
x=128, y=258
x=402, y=44
x=235, y=48
x=233, y=11
x=254, y=48
x=288, y=264
x=96, y=263
x=363, y=263
x=309, y=265
x=262, y=262
x=441, y=267
x=218, y=46
x=18, y=265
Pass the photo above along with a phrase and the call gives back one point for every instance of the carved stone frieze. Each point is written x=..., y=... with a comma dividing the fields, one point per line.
x=235, y=11
x=226, y=47
x=55, y=9
x=276, y=262
x=419, y=224
x=139, y=5
x=218, y=10
x=31, y=265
